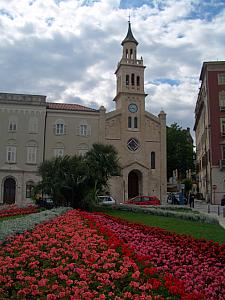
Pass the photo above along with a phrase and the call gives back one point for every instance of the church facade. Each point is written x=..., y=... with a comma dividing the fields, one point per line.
x=34, y=130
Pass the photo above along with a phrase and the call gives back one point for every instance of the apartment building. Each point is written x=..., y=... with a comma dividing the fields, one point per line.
x=210, y=131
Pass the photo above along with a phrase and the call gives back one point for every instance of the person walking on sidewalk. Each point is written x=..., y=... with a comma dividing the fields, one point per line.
x=192, y=200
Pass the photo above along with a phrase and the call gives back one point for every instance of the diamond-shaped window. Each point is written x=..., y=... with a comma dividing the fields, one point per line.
x=133, y=144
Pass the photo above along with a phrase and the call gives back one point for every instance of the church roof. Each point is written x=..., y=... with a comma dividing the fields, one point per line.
x=129, y=37
x=69, y=106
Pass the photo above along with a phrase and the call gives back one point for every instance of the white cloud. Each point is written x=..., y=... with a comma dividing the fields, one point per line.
x=69, y=50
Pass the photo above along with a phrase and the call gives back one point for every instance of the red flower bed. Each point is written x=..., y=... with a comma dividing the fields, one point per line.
x=74, y=258
x=13, y=210
x=200, y=264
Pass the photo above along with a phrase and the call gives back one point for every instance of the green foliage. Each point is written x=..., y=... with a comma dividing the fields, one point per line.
x=76, y=180
x=179, y=151
x=103, y=162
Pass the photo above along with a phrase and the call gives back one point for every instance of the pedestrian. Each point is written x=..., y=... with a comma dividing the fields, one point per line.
x=192, y=200
x=174, y=199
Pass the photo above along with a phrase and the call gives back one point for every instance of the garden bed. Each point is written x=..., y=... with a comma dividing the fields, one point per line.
x=71, y=257
x=81, y=255
x=200, y=264
x=13, y=210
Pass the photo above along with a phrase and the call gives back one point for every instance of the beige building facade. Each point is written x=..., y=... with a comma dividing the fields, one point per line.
x=138, y=135
x=21, y=146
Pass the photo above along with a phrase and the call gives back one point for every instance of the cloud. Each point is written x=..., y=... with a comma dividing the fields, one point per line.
x=68, y=50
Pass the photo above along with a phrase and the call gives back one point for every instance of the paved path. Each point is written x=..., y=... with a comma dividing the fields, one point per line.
x=212, y=210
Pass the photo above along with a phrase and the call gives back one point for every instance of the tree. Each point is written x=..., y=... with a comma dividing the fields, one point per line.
x=179, y=151
x=75, y=180
x=103, y=163
x=53, y=179
x=187, y=186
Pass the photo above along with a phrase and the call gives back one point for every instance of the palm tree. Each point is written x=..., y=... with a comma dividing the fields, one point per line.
x=75, y=180
x=103, y=163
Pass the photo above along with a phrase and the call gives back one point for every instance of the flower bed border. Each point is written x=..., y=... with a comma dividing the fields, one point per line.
x=11, y=227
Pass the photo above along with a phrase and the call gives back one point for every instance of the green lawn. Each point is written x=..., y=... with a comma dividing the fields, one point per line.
x=195, y=229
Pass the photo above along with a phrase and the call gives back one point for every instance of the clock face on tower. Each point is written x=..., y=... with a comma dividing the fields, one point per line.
x=133, y=108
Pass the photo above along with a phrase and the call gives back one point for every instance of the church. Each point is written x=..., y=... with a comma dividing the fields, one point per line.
x=33, y=130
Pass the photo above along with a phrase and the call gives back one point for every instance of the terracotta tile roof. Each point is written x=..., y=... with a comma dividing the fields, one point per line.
x=69, y=106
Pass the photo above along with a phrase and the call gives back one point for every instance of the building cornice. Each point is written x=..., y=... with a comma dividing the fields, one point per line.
x=129, y=94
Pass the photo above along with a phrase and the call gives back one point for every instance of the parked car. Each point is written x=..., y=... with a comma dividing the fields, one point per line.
x=174, y=198
x=106, y=200
x=45, y=201
x=144, y=200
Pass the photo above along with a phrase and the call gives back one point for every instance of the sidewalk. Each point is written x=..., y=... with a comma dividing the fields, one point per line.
x=201, y=206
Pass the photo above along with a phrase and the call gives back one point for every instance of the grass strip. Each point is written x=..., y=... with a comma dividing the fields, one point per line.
x=195, y=229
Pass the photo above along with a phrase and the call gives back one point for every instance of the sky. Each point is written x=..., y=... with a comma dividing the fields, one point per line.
x=68, y=50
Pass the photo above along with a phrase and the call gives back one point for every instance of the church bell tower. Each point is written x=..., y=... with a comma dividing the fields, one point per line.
x=130, y=77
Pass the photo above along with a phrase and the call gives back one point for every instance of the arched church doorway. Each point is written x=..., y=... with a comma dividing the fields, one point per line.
x=9, y=191
x=134, y=183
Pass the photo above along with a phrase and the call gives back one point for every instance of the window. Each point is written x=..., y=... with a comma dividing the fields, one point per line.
x=32, y=154
x=126, y=53
x=11, y=154
x=222, y=100
x=152, y=160
x=222, y=126
x=82, y=152
x=135, y=122
x=138, y=80
x=29, y=189
x=221, y=78
x=83, y=129
x=82, y=149
x=12, y=124
x=129, y=122
x=33, y=125
x=127, y=79
x=59, y=127
x=58, y=152
x=133, y=144
x=132, y=79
